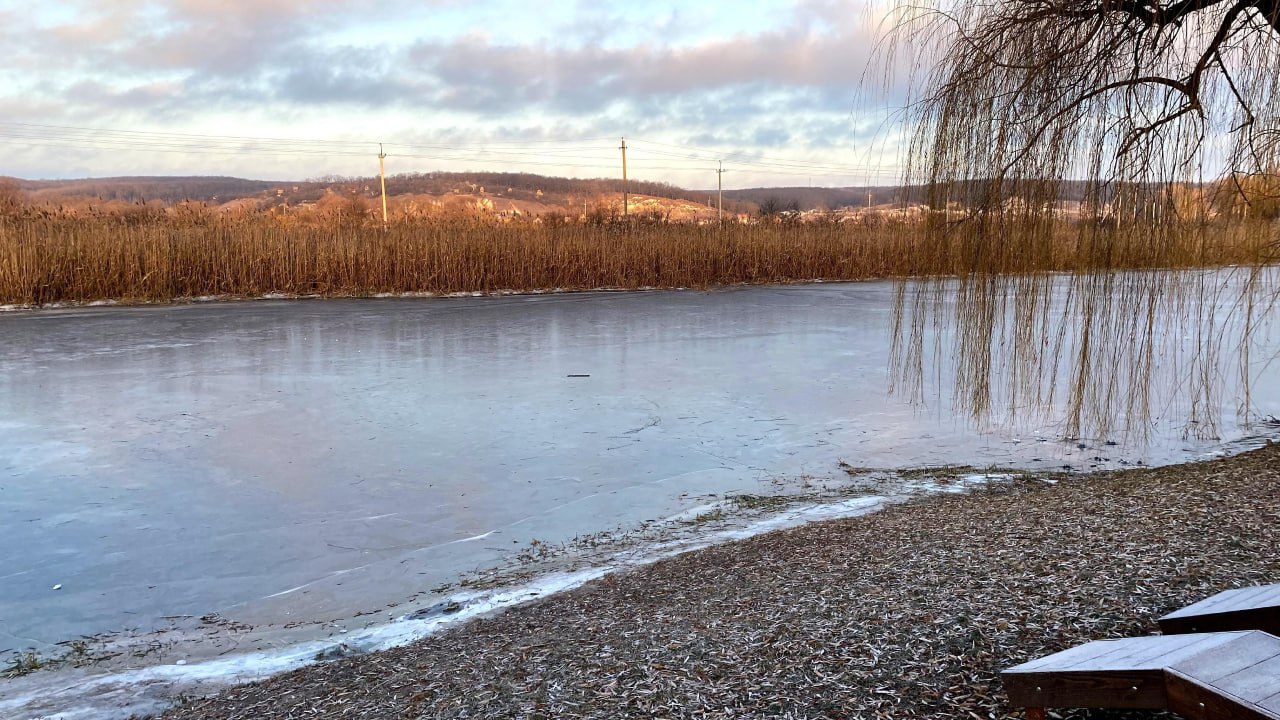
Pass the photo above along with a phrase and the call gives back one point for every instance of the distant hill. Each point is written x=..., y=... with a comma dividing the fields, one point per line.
x=439, y=183
x=225, y=189
x=554, y=191
x=817, y=198
x=535, y=193
x=143, y=189
x=820, y=198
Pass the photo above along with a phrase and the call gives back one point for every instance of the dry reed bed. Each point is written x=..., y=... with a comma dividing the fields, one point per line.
x=48, y=258
x=908, y=613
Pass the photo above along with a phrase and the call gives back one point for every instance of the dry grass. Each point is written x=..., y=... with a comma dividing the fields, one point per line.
x=163, y=255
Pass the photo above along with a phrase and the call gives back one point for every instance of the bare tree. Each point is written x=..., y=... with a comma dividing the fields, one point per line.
x=1143, y=104
x=769, y=207
x=1025, y=94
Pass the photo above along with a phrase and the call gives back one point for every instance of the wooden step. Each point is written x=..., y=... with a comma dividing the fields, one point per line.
x=1202, y=676
x=1251, y=608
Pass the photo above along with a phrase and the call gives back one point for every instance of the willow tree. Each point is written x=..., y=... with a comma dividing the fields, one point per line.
x=1146, y=115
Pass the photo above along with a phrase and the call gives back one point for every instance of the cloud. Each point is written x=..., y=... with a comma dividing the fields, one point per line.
x=485, y=77
x=277, y=50
x=792, y=78
x=203, y=36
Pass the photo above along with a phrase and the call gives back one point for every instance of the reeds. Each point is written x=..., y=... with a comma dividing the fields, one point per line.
x=165, y=255
x=1035, y=314
x=48, y=260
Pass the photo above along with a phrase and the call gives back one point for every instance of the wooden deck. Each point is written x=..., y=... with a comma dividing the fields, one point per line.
x=1202, y=676
x=1253, y=608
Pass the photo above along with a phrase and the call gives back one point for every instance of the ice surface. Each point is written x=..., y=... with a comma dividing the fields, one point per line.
x=286, y=463
x=104, y=696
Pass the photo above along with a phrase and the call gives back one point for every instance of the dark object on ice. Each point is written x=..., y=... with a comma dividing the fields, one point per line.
x=579, y=376
x=1251, y=608
x=1202, y=676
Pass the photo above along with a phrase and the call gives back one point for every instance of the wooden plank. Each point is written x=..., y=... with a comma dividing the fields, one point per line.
x=1070, y=656
x=1118, y=649
x=1195, y=701
x=1137, y=689
x=1254, y=683
x=1135, y=673
x=1127, y=653
x=1266, y=619
x=1271, y=704
x=1247, y=651
x=1267, y=596
x=1232, y=601
x=1164, y=654
x=1214, y=602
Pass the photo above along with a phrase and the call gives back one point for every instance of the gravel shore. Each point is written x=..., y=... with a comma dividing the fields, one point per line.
x=906, y=613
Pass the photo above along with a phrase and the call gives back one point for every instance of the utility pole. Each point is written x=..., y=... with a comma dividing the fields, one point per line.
x=382, y=177
x=625, y=200
x=720, y=192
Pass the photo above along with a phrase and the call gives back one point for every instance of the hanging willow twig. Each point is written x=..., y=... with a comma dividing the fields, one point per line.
x=1157, y=120
x=1026, y=94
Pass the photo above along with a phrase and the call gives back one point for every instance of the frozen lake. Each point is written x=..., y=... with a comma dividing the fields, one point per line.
x=300, y=461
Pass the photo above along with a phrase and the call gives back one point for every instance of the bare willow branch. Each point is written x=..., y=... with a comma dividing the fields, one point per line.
x=1111, y=119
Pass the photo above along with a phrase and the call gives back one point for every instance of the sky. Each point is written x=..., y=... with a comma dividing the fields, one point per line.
x=781, y=92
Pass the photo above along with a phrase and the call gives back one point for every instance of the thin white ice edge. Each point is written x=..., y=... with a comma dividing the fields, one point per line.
x=151, y=689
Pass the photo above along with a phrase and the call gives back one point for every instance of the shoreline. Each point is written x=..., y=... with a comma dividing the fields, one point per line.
x=817, y=621
x=155, y=688
x=233, y=299
x=755, y=572
x=200, y=300
x=244, y=641
x=68, y=686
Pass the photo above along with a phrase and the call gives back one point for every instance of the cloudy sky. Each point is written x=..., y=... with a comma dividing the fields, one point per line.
x=282, y=89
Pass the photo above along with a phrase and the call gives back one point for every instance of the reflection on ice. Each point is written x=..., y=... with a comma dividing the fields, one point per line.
x=1103, y=353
